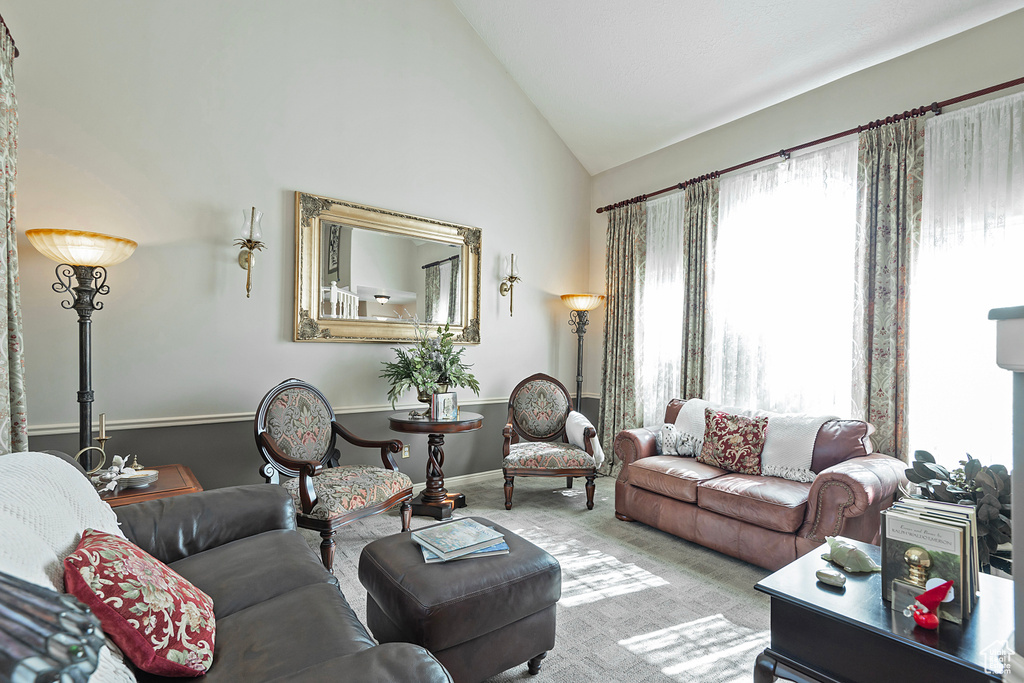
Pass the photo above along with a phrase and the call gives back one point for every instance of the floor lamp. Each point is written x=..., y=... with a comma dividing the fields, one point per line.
x=84, y=256
x=579, y=304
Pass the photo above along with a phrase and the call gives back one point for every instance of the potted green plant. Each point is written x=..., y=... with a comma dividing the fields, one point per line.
x=432, y=364
x=987, y=488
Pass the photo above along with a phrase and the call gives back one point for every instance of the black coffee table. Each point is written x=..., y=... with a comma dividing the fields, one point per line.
x=848, y=635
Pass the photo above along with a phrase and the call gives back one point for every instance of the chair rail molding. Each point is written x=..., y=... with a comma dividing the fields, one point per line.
x=217, y=418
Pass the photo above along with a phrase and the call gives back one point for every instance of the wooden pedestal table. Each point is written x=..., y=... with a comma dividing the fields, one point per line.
x=435, y=501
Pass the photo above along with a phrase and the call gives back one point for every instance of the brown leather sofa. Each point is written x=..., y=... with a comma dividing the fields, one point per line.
x=766, y=521
x=280, y=614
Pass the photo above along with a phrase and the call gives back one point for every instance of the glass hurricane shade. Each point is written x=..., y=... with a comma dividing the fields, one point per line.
x=582, y=302
x=511, y=269
x=80, y=247
x=257, y=229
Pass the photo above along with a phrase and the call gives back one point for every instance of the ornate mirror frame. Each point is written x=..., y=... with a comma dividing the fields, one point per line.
x=310, y=326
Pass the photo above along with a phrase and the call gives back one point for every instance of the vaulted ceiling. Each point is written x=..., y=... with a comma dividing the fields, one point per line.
x=619, y=79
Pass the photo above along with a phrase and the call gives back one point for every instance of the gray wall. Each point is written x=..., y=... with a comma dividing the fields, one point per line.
x=224, y=454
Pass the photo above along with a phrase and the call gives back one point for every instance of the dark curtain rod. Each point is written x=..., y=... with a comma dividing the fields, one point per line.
x=437, y=263
x=8, y=32
x=935, y=107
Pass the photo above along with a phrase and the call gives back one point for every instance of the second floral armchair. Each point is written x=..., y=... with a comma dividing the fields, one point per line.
x=544, y=437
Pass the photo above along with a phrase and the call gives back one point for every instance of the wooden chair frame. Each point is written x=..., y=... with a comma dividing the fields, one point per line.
x=513, y=434
x=305, y=470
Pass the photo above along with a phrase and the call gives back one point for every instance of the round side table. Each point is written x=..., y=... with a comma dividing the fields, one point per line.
x=435, y=501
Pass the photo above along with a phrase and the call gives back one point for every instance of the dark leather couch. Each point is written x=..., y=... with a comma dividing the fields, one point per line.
x=763, y=520
x=280, y=614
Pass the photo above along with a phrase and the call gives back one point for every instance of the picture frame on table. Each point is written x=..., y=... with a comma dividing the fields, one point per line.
x=444, y=407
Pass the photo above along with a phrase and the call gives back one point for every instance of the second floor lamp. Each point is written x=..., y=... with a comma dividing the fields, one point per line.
x=579, y=304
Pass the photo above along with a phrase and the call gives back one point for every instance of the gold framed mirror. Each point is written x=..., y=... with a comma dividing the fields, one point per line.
x=364, y=274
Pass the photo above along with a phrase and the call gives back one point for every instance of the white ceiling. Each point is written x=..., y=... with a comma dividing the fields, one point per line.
x=618, y=79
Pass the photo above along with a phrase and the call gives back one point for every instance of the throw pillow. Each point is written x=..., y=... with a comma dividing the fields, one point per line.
x=672, y=441
x=733, y=442
x=163, y=623
x=840, y=440
x=666, y=438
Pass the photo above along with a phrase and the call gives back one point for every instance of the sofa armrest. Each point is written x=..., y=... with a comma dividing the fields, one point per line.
x=385, y=663
x=170, y=529
x=632, y=444
x=855, y=488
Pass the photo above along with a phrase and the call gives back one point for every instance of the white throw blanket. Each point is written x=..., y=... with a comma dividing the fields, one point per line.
x=574, y=426
x=788, y=443
x=45, y=505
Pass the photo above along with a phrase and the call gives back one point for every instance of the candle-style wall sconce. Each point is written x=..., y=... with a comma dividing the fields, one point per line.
x=252, y=233
x=509, y=281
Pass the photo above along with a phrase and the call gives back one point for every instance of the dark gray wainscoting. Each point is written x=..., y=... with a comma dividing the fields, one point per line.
x=224, y=454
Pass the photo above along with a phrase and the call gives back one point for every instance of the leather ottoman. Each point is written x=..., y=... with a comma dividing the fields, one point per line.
x=478, y=616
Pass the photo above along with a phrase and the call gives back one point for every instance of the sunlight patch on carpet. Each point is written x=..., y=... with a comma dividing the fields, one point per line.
x=590, y=575
x=708, y=649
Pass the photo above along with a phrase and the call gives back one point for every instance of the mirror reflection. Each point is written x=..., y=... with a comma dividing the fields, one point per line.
x=373, y=275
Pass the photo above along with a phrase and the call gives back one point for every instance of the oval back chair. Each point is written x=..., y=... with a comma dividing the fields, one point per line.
x=296, y=434
x=536, y=444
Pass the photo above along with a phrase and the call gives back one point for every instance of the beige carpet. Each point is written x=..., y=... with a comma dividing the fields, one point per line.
x=637, y=604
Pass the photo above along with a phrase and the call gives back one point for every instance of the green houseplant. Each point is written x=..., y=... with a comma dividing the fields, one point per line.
x=429, y=365
x=987, y=488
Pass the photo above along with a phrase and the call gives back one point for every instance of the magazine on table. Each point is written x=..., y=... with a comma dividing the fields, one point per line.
x=490, y=551
x=957, y=515
x=456, y=538
x=944, y=540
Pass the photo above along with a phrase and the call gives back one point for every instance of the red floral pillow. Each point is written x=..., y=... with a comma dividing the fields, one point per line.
x=163, y=623
x=733, y=442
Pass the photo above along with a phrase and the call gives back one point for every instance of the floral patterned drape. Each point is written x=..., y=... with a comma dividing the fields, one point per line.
x=13, y=411
x=700, y=223
x=432, y=293
x=455, y=291
x=626, y=247
x=889, y=172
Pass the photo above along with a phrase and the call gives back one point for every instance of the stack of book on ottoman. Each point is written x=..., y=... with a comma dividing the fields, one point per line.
x=459, y=539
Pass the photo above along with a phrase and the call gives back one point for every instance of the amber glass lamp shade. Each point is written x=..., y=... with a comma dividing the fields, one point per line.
x=80, y=247
x=582, y=302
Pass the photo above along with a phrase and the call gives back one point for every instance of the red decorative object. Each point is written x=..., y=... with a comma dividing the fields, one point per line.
x=927, y=604
x=163, y=623
x=733, y=442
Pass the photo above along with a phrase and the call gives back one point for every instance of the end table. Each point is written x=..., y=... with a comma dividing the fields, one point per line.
x=174, y=480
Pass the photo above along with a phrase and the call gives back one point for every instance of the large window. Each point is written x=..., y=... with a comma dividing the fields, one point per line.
x=781, y=286
x=660, y=319
x=972, y=238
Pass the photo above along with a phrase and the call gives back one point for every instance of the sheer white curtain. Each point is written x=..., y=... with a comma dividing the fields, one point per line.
x=781, y=286
x=660, y=322
x=972, y=238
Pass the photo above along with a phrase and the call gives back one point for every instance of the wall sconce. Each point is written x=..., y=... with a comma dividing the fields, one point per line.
x=381, y=298
x=84, y=256
x=252, y=233
x=510, y=279
x=578, y=319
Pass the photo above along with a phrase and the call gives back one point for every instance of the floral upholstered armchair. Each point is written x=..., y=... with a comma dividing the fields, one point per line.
x=296, y=434
x=541, y=426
